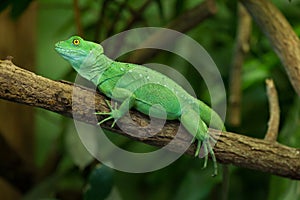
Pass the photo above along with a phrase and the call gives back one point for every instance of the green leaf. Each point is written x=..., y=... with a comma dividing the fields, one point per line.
x=254, y=72
x=284, y=189
x=197, y=184
x=290, y=133
x=46, y=188
x=160, y=8
x=100, y=183
x=79, y=154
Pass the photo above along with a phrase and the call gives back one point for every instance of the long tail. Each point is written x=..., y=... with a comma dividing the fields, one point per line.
x=210, y=117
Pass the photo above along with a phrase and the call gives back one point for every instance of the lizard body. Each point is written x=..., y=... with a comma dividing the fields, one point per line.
x=142, y=88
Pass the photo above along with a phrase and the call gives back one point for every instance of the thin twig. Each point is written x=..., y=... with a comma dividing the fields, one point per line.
x=115, y=21
x=225, y=182
x=100, y=21
x=77, y=18
x=241, y=49
x=136, y=17
x=137, y=14
x=273, y=124
x=183, y=23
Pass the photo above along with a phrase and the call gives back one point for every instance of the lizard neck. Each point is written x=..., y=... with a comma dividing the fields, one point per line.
x=94, y=66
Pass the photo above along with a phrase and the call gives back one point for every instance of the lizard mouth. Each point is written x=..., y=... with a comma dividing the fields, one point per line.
x=61, y=50
x=67, y=53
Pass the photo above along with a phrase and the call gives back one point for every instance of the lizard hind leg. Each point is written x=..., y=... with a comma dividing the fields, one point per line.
x=205, y=152
x=207, y=149
x=200, y=132
x=213, y=157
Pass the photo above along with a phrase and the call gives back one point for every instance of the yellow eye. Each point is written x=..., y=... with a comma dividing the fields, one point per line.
x=76, y=42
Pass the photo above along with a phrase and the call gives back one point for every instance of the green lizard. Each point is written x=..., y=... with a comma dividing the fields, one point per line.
x=141, y=88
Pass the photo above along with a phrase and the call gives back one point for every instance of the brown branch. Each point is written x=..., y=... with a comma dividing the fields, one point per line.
x=183, y=23
x=284, y=40
x=19, y=85
x=137, y=15
x=273, y=124
x=241, y=49
x=194, y=16
x=77, y=18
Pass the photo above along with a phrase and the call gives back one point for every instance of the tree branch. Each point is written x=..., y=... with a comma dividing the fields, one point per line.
x=273, y=124
x=188, y=20
x=77, y=16
x=284, y=40
x=25, y=87
x=240, y=51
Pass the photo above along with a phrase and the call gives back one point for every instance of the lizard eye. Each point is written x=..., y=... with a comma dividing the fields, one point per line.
x=76, y=42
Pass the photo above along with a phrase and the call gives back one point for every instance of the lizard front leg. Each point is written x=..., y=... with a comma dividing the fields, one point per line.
x=126, y=97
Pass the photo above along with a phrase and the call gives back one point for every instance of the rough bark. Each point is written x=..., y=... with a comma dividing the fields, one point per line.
x=284, y=40
x=274, y=119
x=19, y=85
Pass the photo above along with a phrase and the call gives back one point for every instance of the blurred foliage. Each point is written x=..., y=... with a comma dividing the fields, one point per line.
x=183, y=179
x=100, y=183
x=17, y=6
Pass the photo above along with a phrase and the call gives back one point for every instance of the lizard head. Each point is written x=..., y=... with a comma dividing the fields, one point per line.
x=78, y=52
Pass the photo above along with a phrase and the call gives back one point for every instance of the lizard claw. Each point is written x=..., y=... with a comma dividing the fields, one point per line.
x=102, y=113
x=207, y=150
x=113, y=114
x=113, y=124
x=198, y=148
x=104, y=120
x=205, y=155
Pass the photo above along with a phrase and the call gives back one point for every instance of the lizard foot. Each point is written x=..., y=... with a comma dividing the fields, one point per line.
x=113, y=114
x=207, y=148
